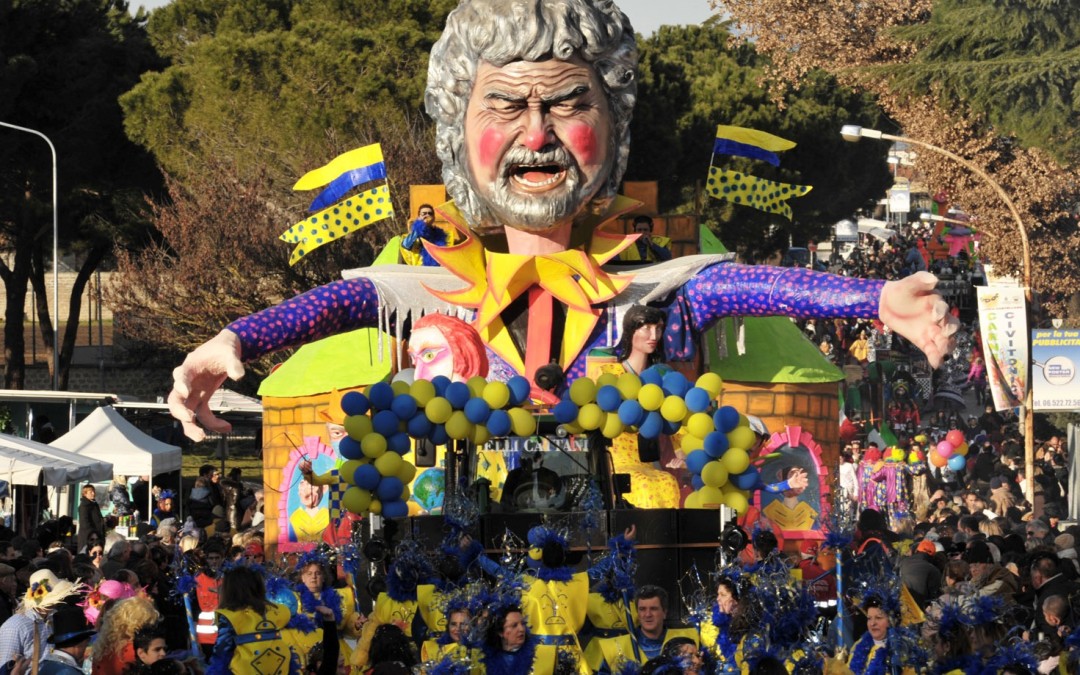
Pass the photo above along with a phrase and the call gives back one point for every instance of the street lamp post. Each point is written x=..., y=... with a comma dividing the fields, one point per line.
x=853, y=133
x=55, y=256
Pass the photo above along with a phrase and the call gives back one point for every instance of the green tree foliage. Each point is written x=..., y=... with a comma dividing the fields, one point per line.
x=256, y=95
x=691, y=81
x=1014, y=62
x=62, y=67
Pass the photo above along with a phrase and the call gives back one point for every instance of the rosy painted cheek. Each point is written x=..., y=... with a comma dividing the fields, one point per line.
x=582, y=141
x=491, y=147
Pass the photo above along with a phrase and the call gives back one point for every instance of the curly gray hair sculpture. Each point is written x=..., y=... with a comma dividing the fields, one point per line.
x=504, y=31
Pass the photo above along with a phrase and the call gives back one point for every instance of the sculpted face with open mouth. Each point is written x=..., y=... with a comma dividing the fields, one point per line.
x=538, y=141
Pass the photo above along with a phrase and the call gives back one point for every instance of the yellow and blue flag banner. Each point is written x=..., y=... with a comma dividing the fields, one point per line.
x=749, y=143
x=334, y=219
x=758, y=193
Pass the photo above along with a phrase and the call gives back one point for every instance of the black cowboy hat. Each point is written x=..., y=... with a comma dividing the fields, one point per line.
x=70, y=627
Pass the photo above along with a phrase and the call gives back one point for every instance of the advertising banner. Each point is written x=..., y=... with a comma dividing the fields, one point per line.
x=1003, y=321
x=1054, y=355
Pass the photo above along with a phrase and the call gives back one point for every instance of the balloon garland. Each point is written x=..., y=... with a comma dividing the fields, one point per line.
x=381, y=421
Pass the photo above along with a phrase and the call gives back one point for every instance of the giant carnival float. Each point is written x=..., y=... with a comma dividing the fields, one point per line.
x=515, y=374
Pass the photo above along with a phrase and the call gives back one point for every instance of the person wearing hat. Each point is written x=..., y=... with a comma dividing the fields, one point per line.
x=26, y=633
x=921, y=576
x=70, y=637
x=988, y=577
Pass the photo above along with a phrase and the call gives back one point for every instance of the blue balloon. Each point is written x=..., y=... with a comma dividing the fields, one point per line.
x=630, y=413
x=726, y=418
x=458, y=394
x=385, y=422
x=440, y=382
x=676, y=383
x=395, y=509
x=477, y=410
x=698, y=400
x=419, y=425
x=696, y=461
x=652, y=426
x=350, y=448
x=652, y=375
x=389, y=489
x=565, y=411
x=747, y=480
x=438, y=434
x=367, y=477
x=284, y=596
x=671, y=428
x=696, y=482
x=498, y=423
x=519, y=389
x=381, y=396
x=957, y=462
x=354, y=403
x=608, y=398
x=399, y=443
x=716, y=444
x=404, y=406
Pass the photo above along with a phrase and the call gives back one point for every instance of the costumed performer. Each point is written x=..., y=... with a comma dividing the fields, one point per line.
x=877, y=651
x=612, y=611
x=532, y=101
x=250, y=638
x=649, y=637
x=397, y=604
x=511, y=648
x=435, y=601
x=724, y=631
x=315, y=589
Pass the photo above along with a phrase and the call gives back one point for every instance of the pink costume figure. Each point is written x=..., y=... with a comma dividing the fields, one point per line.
x=868, y=468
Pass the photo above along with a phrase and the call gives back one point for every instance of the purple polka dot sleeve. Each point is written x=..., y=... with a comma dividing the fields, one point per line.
x=318, y=313
x=729, y=289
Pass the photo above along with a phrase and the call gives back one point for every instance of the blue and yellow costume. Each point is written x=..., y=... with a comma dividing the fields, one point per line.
x=250, y=643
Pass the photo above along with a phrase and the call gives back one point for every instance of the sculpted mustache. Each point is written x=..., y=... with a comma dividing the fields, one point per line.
x=519, y=156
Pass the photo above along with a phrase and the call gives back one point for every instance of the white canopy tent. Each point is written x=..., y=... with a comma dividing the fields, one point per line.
x=26, y=462
x=105, y=435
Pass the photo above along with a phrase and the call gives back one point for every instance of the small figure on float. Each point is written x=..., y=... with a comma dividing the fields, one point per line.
x=539, y=181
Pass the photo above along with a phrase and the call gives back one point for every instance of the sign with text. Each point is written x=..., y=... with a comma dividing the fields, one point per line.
x=1003, y=320
x=1054, y=355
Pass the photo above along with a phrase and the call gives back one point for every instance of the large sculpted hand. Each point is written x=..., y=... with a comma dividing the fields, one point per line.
x=198, y=377
x=912, y=308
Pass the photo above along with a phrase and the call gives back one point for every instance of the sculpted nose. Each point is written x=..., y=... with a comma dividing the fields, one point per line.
x=537, y=132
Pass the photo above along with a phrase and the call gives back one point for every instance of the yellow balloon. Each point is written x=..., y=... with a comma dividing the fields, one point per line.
x=650, y=396
x=388, y=464
x=423, y=391
x=356, y=500
x=476, y=385
x=741, y=437
x=438, y=410
x=612, y=425
x=582, y=391
x=689, y=443
x=348, y=468
x=573, y=428
x=714, y=474
x=736, y=460
x=496, y=395
x=700, y=424
x=711, y=497
x=711, y=382
x=480, y=434
x=376, y=506
x=458, y=426
x=921, y=439
x=373, y=445
x=693, y=501
x=590, y=417
x=357, y=426
x=406, y=473
x=606, y=379
x=673, y=409
x=405, y=493
x=736, y=501
x=400, y=387
x=522, y=422
x=629, y=385
x=962, y=449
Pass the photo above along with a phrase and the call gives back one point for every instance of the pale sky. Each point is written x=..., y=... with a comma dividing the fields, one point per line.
x=645, y=15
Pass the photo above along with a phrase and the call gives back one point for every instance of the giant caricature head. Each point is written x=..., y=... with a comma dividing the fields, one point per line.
x=532, y=101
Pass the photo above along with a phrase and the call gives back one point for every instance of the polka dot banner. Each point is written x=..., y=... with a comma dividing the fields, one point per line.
x=337, y=221
x=758, y=193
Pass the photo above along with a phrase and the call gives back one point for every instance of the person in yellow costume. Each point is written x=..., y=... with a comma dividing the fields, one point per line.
x=649, y=636
x=648, y=247
x=436, y=601
x=554, y=600
x=314, y=590
x=398, y=603
x=790, y=512
x=611, y=610
x=877, y=649
x=641, y=346
x=250, y=638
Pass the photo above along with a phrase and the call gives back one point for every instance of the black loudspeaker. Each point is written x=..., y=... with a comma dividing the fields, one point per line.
x=424, y=451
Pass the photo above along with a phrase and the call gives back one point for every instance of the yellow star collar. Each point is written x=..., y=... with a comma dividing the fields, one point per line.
x=494, y=280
